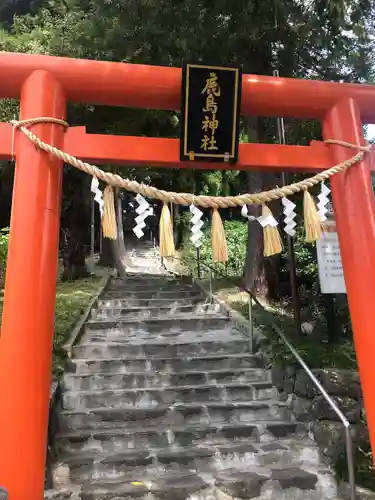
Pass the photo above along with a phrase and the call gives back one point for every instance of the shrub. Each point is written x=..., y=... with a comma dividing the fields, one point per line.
x=4, y=239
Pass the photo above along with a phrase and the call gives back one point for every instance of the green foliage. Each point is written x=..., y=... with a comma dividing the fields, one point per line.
x=364, y=465
x=71, y=300
x=4, y=240
x=236, y=233
x=306, y=259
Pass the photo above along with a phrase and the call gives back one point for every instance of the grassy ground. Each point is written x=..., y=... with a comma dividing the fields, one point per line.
x=71, y=299
x=315, y=349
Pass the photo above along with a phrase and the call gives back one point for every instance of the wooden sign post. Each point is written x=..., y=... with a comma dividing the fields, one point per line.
x=331, y=273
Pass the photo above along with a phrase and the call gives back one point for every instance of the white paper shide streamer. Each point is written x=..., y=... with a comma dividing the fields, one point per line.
x=245, y=213
x=289, y=216
x=98, y=195
x=324, y=203
x=269, y=220
x=143, y=210
x=197, y=223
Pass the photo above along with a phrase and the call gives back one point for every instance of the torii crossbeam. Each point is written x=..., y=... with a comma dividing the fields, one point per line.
x=44, y=85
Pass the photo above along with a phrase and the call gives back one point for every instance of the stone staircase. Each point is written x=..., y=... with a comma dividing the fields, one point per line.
x=163, y=400
x=143, y=257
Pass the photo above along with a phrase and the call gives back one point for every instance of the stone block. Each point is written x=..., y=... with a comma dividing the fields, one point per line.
x=330, y=437
x=302, y=408
x=336, y=383
x=350, y=407
x=294, y=478
x=284, y=378
x=244, y=485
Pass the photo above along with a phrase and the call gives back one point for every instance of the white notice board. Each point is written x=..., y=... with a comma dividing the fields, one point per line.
x=331, y=275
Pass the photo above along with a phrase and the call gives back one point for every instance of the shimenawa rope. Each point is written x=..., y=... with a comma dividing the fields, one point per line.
x=214, y=202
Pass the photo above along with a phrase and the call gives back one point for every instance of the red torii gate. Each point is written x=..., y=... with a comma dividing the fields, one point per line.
x=45, y=84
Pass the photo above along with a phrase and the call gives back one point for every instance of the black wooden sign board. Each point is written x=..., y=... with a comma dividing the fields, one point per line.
x=210, y=113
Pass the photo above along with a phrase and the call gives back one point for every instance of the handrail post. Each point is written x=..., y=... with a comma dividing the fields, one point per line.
x=210, y=284
x=251, y=325
x=199, y=262
x=349, y=459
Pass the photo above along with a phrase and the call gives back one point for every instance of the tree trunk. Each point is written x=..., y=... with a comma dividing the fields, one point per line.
x=272, y=264
x=106, y=258
x=74, y=252
x=254, y=278
x=261, y=275
x=76, y=224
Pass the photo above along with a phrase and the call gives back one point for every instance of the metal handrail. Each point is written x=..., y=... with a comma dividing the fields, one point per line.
x=313, y=378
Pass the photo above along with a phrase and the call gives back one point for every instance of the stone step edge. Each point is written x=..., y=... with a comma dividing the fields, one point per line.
x=181, y=373
x=173, y=358
x=188, y=485
x=256, y=385
x=153, y=284
x=192, y=291
x=168, y=305
x=170, y=484
x=246, y=446
x=238, y=337
x=170, y=319
x=196, y=297
x=211, y=405
x=256, y=425
x=140, y=308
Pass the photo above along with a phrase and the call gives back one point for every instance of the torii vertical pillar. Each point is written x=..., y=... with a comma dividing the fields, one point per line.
x=28, y=317
x=354, y=206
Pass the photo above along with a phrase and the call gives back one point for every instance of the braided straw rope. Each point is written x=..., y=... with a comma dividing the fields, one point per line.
x=187, y=198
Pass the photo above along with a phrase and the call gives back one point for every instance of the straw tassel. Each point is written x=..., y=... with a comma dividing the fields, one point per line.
x=218, y=239
x=312, y=220
x=271, y=236
x=167, y=248
x=109, y=216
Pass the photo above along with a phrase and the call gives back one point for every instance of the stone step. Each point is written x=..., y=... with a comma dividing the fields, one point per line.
x=142, y=380
x=127, y=286
x=165, y=364
x=140, y=313
x=151, y=282
x=152, y=294
x=190, y=322
x=291, y=483
x=151, y=398
x=148, y=257
x=146, y=270
x=151, y=302
x=104, y=350
x=148, y=278
x=148, y=291
x=114, y=440
x=180, y=415
x=130, y=465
